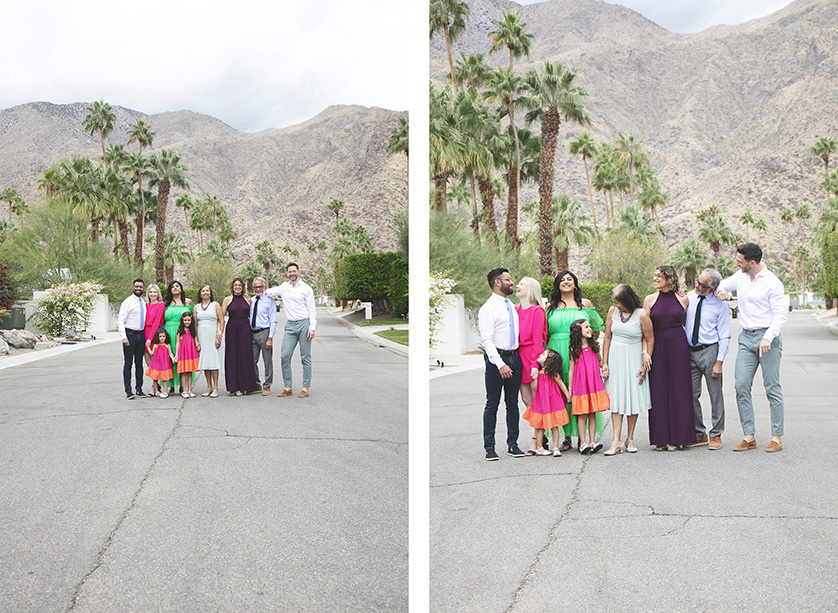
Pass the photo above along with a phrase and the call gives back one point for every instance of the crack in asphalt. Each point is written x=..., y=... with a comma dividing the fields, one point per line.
x=551, y=538
x=442, y=485
x=25, y=419
x=103, y=552
x=249, y=437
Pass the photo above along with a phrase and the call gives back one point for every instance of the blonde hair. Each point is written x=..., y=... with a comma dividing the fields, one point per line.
x=533, y=289
x=159, y=293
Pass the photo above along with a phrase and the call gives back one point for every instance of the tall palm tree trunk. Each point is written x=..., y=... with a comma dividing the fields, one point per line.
x=488, y=195
x=550, y=123
x=138, y=243
x=159, y=254
x=123, y=238
x=450, y=58
x=591, y=195
x=475, y=224
x=441, y=185
x=188, y=233
x=512, y=210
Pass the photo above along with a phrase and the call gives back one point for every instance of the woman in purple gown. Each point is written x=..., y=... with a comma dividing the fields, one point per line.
x=239, y=372
x=671, y=420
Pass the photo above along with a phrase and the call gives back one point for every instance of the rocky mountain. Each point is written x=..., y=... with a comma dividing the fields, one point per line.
x=727, y=115
x=275, y=184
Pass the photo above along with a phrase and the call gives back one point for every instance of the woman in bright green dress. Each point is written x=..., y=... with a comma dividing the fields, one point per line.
x=566, y=306
x=176, y=305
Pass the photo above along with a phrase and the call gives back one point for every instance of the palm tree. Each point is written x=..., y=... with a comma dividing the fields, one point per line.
x=787, y=216
x=116, y=155
x=585, y=146
x=215, y=210
x=336, y=206
x=399, y=142
x=115, y=195
x=217, y=250
x=759, y=225
x=174, y=252
x=640, y=223
x=450, y=17
x=569, y=228
x=505, y=87
x=628, y=153
x=823, y=148
x=803, y=214
x=100, y=118
x=830, y=184
x=266, y=257
x=167, y=171
x=80, y=183
x=184, y=201
x=137, y=166
x=510, y=32
x=11, y=196
x=715, y=231
x=226, y=234
x=747, y=220
x=472, y=69
x=141, y=132
x=446, y=141
x=605, y=178
x=651, y=197
x=691, y=257
x=551, y=96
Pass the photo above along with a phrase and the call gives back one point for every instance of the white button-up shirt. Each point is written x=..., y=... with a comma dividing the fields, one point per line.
x=762, y=301
x=130, y=315
x=298, y=301
x=493, y=323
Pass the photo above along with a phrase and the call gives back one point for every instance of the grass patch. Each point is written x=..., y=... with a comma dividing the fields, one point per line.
x=397, y=336
x=383, y=322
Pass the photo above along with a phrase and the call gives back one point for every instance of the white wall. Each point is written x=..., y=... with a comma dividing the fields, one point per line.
x=456, y=333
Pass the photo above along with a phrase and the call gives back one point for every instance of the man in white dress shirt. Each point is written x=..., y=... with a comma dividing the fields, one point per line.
x=301, y=319
x=131, y=325
x=762, y=313
x=498, y=324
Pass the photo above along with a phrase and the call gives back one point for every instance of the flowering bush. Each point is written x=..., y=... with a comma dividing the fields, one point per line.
x=8, y=290
x=440, y=285
x=66, y=306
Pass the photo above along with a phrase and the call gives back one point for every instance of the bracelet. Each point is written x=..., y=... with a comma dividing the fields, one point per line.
x=646, y=352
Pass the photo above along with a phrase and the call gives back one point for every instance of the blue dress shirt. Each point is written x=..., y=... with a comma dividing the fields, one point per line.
x=265, y=314
x=714, y=326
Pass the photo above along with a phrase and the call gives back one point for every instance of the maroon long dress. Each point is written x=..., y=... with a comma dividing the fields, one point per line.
x=671, y=420
x=239, y=373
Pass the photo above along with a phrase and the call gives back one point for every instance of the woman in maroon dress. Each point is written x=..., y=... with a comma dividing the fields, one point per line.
x=532, y=334
x=239, y=372
x=671, y=420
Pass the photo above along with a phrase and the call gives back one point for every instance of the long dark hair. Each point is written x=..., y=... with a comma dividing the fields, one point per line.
x=169, y=298
x=576, y=340
x=157, y=336
x=182, y=329
x=556, y=292
x=552, y=364
x=670, y=275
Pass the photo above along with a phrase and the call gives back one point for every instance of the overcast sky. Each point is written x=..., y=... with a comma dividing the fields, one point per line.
x=254, y=64
x=689, y=16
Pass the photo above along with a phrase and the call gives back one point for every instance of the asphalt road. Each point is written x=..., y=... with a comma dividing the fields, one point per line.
x=691, y=530
x=228, y=504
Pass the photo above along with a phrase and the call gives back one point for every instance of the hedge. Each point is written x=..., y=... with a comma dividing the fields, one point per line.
x=829, y=255
x=373, y=277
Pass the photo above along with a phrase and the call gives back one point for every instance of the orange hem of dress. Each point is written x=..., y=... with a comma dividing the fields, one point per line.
x=540, y=421
x=590, y=403
x=159, y=375
x=187, y=366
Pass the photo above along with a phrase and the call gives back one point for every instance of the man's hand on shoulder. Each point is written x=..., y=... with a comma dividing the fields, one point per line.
x=722, y=295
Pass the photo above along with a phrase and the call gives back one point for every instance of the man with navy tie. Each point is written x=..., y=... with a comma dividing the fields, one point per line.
x=708, y=336
x=131, y=325
x=263, y=328
x=498, y=325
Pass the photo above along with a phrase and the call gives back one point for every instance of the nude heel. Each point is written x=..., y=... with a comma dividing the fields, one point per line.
x=615, y=448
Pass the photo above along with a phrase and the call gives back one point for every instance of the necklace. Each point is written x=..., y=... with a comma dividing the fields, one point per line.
x=204, y=308
x=624, y=317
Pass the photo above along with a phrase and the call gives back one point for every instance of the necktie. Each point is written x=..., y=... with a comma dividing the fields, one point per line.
x=253, y=317
x=513, y=340
x=694, y=340
x=142, y=313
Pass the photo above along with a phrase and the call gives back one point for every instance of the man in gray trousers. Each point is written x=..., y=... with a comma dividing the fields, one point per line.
x=708, y=336
x=262, y=329
x=301, y=319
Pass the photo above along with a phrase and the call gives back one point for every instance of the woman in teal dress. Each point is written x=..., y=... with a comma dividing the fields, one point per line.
x=566, y=306
x=176, y=305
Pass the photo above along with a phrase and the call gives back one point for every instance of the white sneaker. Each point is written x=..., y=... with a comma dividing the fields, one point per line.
x=556, y=452
x=162, y=395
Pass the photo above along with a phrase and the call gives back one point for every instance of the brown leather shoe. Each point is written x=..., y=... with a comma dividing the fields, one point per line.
x=701, y=440
x=774, y=446
x=303, y=394
x=286, y=392
x=266, y=391
x=715, y=443
x=745, y=445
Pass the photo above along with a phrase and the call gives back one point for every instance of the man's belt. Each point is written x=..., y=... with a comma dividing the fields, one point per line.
x=700, y=347
x=135, y=331
x=507, y=352
x=259, y=329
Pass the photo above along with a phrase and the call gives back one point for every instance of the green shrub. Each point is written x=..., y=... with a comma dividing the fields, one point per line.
x=364, y=276
x=206, y=270
x=829, y=256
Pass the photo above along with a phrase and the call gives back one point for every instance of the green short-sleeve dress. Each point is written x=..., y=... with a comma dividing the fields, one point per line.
x=558, y=339
x=171, y=321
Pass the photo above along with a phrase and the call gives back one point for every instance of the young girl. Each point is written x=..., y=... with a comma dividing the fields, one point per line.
x=160, y=369
x=548, y=408
x=587, y=391
x=187, y=353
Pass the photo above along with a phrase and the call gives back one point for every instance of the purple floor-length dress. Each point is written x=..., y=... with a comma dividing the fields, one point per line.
x=671, y=420
x=239, y=373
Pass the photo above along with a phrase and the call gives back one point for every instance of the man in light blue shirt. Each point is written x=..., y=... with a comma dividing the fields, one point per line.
x=262, y=329
x=708, y=336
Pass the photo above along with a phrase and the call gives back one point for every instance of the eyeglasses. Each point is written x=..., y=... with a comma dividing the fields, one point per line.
x=701, y=285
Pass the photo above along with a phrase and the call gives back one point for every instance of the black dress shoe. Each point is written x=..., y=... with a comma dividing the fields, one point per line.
x=516, y=452
x=141, y=394
x=130, y=395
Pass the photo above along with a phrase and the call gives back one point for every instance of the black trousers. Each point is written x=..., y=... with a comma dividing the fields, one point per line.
x=495, y=384
x=133, y=353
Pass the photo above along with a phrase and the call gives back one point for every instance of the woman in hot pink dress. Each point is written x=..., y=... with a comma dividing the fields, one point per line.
x=532, y=334
x=153, y=317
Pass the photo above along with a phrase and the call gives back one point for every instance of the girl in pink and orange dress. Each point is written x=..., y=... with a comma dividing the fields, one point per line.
x=587, y=391
x=187, y=353
x=532, y=334
x=160, y=369
x=548, y=410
